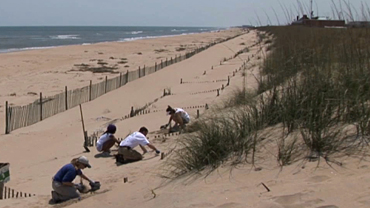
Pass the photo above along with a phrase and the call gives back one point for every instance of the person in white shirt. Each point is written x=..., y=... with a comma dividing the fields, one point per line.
x=179, y=116
x=107, y=140
x=126, y=152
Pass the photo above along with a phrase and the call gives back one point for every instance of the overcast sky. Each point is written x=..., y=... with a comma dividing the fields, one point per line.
x=219, y=13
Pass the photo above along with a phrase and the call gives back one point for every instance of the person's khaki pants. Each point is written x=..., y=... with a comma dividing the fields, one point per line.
x=129, y=154
x=63, y=192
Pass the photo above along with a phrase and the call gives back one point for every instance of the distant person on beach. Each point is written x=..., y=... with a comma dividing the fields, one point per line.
x=107, y=140
x=126, y=152
x=63, y=186
x=179, y=116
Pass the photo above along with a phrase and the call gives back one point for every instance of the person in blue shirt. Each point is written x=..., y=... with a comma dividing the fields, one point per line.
x=63, y=186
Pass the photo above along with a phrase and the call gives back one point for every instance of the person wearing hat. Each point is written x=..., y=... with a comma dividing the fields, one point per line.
x=179, y=116
x=126, y=152
x=63, y=186
x=107, y=140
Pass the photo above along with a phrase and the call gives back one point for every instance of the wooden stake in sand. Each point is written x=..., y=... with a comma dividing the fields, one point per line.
x=66, y=97
x=83, y=130
x=6, y=118
x=125, y=179
x=268, y=190
x=1, y=190
x=40, y=106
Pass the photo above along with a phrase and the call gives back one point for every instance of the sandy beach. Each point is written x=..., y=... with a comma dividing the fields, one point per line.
x=36, y=152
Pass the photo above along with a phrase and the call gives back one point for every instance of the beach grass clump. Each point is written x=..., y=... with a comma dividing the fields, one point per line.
x=233, y=136
x=178, y=49
x=314, y=85
x=239, y=97
x=322, y=77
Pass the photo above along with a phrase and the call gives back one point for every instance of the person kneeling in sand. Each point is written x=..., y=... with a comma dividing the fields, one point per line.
x=179, y=116
x=126, y=152
x=107, y=140
x=63, y=186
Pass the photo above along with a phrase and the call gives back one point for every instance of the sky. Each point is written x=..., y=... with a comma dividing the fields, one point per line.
x=213, y=13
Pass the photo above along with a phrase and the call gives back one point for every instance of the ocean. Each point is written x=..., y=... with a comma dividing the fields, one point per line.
x=28, y=38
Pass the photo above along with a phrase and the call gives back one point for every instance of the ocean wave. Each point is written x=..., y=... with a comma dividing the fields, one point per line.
x=134, y=32
x=24, y=49
x=64, y=37
x=175, y=30
x=151, y=37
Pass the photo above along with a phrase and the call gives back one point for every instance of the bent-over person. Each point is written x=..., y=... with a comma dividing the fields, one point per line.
x=107, y=140
x=126, y=152
x=62, y=182
x=179, y=116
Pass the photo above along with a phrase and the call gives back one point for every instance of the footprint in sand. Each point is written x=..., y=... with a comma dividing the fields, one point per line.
x=201, y=205
x=269, y=205
x=289, y=199
x=318, y=179
x=231, y=205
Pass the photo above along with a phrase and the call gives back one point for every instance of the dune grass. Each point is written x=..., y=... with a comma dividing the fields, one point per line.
x=315, y=84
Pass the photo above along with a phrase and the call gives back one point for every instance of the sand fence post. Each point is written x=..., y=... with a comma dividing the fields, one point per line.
x=197, y=113
x=132, y=113
x=83, y=130
x=139, y=71
x=166, y=62
x=181, y=81
x=144, y=71
x=90, y=88
x=105, y=86
x=66, y=97
x=218, y=92
x=5, y=196
x=228, y=81
x=120, y=79
x=40, y=106
x=6, y=118
x=125, y=179
x=155, y=66
x=1, y=190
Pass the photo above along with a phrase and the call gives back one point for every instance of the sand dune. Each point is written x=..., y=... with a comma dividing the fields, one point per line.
x=37, y=152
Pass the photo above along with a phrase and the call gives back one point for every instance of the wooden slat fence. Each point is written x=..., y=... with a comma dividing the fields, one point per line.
x=44, y=107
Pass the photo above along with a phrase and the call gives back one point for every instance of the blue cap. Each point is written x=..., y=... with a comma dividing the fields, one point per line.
x=111, y=128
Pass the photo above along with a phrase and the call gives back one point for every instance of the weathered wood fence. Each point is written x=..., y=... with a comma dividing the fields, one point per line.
x=21, y=116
